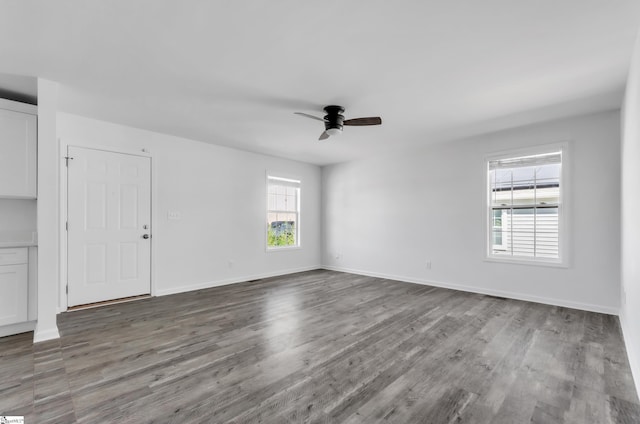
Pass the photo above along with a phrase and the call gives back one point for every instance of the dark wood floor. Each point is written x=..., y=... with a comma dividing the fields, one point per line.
x=322, y=347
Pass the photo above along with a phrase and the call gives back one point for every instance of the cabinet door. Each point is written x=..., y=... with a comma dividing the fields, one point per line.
x=13, y=294
x=18, y=143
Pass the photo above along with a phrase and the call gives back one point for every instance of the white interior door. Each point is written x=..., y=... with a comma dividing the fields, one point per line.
x=109, y=221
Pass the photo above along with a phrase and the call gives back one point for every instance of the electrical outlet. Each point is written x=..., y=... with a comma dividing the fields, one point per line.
x=173, y=215
x=338, y=256
x=230, y=264
x=428, y=264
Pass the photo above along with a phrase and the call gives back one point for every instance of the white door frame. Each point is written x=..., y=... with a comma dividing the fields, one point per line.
x=63, y=303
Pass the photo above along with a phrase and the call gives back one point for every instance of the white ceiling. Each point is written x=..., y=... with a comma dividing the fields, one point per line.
x=233, y=72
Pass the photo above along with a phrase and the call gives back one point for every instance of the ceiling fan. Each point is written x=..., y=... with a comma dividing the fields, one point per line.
x=334, y=120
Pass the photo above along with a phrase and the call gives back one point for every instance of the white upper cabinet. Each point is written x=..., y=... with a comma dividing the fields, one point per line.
x=18, y=150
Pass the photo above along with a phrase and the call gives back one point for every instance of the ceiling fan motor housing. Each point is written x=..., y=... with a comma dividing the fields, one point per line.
x=334, y=118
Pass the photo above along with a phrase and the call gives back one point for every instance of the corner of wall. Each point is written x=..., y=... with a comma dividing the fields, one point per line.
x=48, y=211
x=630, y=207
x=632, y=354
x=45, y=334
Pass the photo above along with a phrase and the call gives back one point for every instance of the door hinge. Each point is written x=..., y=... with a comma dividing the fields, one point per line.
x=67, y=158
x=66, y=225
x=67, y=288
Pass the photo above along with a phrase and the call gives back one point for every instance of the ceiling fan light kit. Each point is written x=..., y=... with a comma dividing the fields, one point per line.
x=334, y=121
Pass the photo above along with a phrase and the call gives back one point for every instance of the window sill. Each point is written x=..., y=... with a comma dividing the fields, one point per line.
x=526, y=262
x=283, y=248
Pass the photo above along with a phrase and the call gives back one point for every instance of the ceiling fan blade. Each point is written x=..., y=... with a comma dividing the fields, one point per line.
x=309, y=116
x=324, y=136
x=373, y=120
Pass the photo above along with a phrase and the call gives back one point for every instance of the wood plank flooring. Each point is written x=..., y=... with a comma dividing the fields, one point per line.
x=322, y=347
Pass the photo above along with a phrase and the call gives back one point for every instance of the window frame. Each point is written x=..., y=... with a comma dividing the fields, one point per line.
x=563, y=206
x=291, y=179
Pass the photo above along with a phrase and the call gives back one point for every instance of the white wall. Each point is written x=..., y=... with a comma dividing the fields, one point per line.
x=630, y=308
x=17, y=215
x=221, y=196
x=48, y=205
x=389, y=215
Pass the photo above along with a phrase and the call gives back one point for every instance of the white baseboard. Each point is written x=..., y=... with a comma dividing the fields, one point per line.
x=23, y=327
x=482, y=290
x=632, y=356
x=234, y=280
x=44, y=335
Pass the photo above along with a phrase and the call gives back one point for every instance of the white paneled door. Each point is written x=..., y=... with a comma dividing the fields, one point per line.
x=109, y=225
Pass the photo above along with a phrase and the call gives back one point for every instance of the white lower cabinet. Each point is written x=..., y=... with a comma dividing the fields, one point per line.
x=13, y=285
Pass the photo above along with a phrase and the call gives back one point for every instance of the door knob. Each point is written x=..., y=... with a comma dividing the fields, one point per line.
x=145, y=236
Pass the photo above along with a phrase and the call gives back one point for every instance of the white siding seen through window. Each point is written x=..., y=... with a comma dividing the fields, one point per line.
x=525, y=207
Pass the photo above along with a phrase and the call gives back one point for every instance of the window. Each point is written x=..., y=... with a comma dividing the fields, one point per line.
x=283, y=212
x=525, y=207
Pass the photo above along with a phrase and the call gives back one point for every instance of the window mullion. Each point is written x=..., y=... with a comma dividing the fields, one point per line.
x=535, y=212
x=511, y=215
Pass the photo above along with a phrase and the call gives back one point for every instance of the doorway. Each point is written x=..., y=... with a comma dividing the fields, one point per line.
x=108, y=225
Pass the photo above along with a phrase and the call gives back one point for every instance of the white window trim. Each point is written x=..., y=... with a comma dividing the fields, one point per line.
x=564, y=208
x=284, y=177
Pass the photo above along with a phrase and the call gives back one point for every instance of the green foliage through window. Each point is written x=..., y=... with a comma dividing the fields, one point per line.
x=281, y=238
